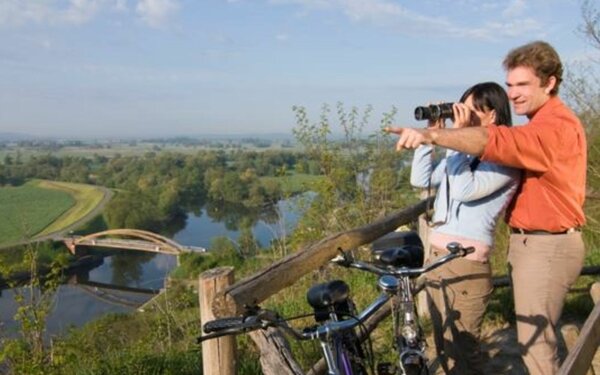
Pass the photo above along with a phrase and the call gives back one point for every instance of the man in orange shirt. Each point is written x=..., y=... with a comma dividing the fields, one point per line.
x=546, y=251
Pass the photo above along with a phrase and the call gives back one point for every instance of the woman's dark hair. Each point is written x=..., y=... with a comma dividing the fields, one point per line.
x=489, y=96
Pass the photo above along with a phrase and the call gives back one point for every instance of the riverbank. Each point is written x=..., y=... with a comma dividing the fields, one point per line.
x=84, y=263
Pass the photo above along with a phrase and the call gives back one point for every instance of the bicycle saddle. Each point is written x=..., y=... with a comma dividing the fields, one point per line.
x=396, y=239
x=323, y=295
x=410, y=256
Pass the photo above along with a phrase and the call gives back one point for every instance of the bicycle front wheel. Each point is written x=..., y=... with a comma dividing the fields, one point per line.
x=416, y=370
x=350, y=357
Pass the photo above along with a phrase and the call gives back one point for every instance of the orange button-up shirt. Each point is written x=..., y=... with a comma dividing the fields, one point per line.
x=551, y=149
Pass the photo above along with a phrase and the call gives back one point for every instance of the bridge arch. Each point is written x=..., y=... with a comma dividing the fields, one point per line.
x=163, y=244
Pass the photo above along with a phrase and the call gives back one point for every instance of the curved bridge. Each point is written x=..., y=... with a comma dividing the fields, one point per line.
x=132, y=239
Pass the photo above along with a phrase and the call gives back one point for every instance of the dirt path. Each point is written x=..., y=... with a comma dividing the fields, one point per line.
x=107, y=196
x=500, y=344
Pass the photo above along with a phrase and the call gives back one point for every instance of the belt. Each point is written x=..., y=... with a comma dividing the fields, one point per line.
x=543, y=232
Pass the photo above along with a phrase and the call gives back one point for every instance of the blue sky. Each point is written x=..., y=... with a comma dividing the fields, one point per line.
x=109, y=68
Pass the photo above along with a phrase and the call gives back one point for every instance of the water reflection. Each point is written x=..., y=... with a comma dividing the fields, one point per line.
x=126, y=278
x=225, y=220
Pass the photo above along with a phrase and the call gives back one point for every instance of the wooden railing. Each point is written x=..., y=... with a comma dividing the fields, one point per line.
x=288, y=270
x=276, y=357
x=581, y=354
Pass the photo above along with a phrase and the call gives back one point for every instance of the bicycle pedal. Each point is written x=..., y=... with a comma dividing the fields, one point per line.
x=386, y=368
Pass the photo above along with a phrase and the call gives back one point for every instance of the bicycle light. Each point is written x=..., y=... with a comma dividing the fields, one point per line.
x=409, y=332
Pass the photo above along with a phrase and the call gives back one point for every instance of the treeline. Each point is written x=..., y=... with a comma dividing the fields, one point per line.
x=156, y=188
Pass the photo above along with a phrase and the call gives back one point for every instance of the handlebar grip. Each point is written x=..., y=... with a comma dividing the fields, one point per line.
x=458, y=249
x=239, y=323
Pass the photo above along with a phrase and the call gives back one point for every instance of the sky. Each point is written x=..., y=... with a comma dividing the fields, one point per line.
x=139, y=68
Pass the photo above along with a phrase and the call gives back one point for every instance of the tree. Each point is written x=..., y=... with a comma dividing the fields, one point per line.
x=29, y=353
x=582, y=90
x=582, y=83
x=361, y=174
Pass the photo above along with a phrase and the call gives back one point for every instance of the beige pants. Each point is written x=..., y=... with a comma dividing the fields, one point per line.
x=542, y=269
x=459, y=292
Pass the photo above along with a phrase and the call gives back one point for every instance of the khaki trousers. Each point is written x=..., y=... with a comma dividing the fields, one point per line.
x=542, y=269
x=458, y=292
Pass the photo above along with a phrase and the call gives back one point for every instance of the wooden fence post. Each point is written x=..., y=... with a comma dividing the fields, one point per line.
x=570, y=334
x=275, y=355
x=218, y=355
x=580, y=357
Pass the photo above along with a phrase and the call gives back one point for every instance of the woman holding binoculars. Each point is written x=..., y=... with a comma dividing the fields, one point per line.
x=471, y=195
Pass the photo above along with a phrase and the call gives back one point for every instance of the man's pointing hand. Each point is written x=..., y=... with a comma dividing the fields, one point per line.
x=410, y=137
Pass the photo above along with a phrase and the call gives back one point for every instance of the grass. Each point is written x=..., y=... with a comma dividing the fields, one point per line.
x=41, y=207
x=87, y=197
x=295, y=182
x=28, y=209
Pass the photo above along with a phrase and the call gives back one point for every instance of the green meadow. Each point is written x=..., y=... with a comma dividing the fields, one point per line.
x=28, y=209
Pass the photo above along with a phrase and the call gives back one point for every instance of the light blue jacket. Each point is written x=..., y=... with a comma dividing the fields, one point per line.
x=467, y=203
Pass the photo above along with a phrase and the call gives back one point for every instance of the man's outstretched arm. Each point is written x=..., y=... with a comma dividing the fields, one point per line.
x=468, y=140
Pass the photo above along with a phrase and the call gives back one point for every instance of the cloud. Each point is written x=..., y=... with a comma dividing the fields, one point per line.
x=15, y=13
x=120, y=5
x=156, y=13
x=515, y=8
x=411, y=20
x=81, y=11
x=282, y=37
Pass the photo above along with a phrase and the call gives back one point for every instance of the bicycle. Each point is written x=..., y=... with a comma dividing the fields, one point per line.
x=337, y=320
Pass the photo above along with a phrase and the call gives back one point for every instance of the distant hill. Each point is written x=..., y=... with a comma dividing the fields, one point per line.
x=13, y=137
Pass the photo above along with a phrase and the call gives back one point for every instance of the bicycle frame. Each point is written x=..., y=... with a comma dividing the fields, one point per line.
x=394, y=282
x=397, y=281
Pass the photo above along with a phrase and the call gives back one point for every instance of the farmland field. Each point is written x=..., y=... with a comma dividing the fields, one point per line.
x=28, y=209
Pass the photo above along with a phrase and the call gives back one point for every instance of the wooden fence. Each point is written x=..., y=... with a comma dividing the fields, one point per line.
x=276, y=357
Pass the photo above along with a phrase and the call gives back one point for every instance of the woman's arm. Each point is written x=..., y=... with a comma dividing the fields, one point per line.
x=467, y=185
x=424, y=169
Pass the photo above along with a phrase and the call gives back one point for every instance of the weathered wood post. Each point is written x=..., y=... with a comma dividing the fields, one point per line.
x=275, y=354
x=579, y=360
x=218, y=355
x=570, y=334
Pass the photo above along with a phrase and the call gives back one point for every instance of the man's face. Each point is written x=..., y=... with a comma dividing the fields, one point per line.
x=525, y=90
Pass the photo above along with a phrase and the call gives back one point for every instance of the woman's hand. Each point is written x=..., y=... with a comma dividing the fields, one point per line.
x=437, y=124
x=462, y=116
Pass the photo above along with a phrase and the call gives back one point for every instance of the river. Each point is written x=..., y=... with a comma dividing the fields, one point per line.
x=126, y=280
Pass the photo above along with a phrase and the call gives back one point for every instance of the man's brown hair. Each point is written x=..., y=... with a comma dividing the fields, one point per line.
x=539, y=56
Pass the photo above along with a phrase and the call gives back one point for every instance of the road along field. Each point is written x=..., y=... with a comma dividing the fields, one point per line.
x=87, y=197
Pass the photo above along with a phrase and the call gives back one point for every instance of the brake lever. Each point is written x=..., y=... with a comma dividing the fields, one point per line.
x=344, y=259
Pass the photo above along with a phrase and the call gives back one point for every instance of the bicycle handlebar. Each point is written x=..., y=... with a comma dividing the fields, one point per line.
x=456, y=251
x=267, y=318
x=262, y=319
